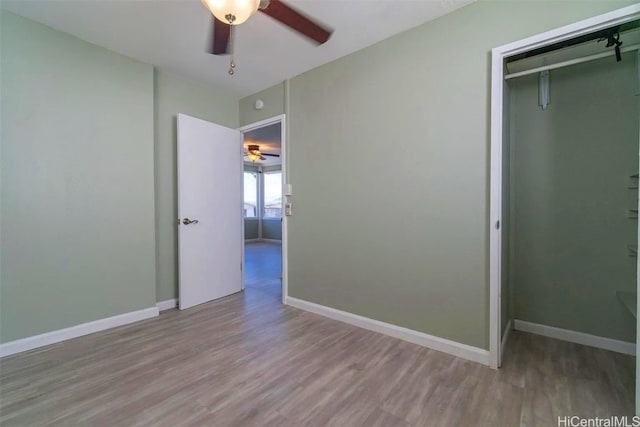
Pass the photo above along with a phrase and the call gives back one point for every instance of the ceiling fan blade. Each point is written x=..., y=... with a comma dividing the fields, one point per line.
x=297, y=21
x=272, y=155
x=220, y=37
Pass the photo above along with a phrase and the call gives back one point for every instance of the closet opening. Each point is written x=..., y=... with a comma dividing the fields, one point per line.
x=565, y=146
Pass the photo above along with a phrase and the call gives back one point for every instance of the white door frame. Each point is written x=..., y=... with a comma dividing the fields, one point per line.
x=283, y=160
x=498, y=56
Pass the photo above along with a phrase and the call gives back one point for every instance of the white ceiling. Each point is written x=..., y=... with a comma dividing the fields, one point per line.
x=172, y=34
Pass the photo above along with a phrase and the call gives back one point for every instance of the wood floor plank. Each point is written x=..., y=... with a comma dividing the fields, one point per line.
x=545, y=401
x=380, y=418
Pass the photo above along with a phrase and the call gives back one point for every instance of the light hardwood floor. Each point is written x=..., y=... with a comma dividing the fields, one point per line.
x=246, y=360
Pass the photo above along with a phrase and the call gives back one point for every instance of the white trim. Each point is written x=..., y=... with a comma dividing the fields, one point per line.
x=495, y=191
x=263, y=241
x=454, y=348
x=498, y=55
x=286, y=180
x=271, y=241
x=36, y=341
x=570, y=62
x=577, y=337
x=570, y=31
x=167, y=305
x=260, y=198
x=262, y=123
x=282, y=119
x=242, y=231
x=637, y=412
x=284, y=234
x=505, y=338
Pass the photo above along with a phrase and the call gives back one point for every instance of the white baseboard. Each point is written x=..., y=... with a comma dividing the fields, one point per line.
x=505, y=337
x=623, y=347
x=24, y=344
x=167, y=305
x=262, y=241
x=464, y=351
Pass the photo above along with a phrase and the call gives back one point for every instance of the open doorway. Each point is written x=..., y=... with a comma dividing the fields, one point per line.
x=264, y=202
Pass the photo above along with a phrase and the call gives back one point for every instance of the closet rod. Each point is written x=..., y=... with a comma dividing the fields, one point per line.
x=570, y=62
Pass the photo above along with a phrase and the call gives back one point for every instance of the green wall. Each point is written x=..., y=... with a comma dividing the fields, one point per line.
x=77, y=214
x=251, y=230
x=272, y=229
x=399, y=138
x=172, y=96
x=273, y=98
x=571, y=172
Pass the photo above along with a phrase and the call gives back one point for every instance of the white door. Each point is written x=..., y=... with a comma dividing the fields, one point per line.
x=209, y=210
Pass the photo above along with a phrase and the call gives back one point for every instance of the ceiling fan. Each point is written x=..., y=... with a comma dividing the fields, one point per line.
x=229, y=13
x=253, y=153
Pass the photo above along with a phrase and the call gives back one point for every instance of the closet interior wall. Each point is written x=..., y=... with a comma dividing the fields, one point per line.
x=571, y=226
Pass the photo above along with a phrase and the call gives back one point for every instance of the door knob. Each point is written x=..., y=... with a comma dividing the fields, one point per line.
x=188, y=221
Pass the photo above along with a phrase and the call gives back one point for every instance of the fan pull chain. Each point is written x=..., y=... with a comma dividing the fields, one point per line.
x=232, y=65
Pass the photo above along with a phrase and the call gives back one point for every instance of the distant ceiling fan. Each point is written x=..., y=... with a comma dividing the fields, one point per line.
x=253, y=153
x=228, y=13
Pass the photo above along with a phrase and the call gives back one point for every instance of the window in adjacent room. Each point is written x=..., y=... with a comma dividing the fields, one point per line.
x=250, y=194
x=272, y=194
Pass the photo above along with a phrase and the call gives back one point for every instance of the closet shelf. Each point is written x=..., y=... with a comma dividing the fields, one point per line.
x=628, y=299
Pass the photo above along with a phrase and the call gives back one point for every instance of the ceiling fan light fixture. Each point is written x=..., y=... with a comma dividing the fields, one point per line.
x=253, y=152
x=253, y=157
x=233, y=12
